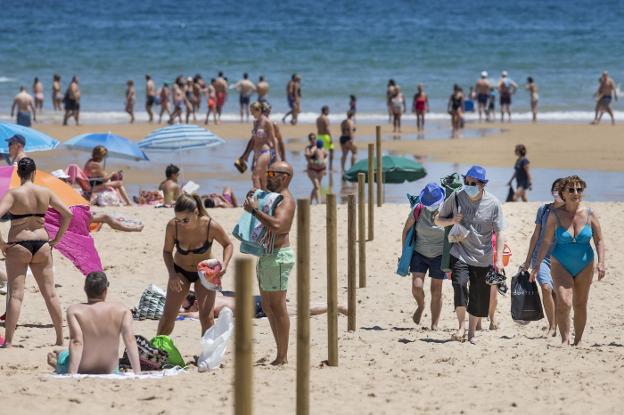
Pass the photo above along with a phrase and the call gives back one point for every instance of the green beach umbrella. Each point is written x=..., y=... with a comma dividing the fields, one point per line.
x=395, y=169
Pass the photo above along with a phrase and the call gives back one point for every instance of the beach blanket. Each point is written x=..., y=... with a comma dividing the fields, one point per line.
x=256, y=239
x=77, y=244
x=127, y=376
x=410, y=239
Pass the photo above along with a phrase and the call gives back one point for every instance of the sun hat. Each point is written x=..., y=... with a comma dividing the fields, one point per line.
x=484, y=74
x=432, y=195
x=477, y=172
x=60, y=174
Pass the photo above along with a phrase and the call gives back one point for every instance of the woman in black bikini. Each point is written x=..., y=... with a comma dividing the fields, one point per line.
x=191, y=232
x=29, y=246
x=99, y=179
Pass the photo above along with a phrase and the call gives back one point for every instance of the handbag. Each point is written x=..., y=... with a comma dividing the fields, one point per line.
x=526, y=304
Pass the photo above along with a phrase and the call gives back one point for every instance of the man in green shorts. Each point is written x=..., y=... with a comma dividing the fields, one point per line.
x=273, y=269
x=323, y=134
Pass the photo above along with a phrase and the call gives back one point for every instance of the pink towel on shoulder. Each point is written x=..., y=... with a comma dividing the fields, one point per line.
x=77, y=244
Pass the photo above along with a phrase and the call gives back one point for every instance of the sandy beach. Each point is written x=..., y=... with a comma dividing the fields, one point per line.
x=387, y=366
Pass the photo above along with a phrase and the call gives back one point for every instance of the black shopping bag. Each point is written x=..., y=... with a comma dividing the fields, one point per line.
x=510, y=194
x=525, y=300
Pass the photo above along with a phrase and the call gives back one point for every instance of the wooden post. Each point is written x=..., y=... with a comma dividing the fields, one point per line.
x=243, y=374
x=332, y=282
x=361, y=216
x=351, y=262
x=379, y=167
x=303, y=306
x=371, y=192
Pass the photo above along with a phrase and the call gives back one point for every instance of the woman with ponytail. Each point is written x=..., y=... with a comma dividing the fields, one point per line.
x=191, y=232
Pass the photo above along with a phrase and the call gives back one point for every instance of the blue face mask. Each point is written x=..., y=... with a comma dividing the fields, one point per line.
x=472, y=191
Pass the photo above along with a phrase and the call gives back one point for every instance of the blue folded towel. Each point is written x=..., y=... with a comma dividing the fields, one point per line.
x=255, y=238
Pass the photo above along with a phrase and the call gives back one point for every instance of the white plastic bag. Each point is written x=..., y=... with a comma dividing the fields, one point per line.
x=215, y=340
x=108, y=198
x=458, y=233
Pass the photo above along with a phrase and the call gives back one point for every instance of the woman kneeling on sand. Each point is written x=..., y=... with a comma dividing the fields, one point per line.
x=569, y=230
x=29, y=246
x=191, y=232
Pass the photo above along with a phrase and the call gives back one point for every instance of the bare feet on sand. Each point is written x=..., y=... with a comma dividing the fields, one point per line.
x=418, y=315
x=472, y=338
x=459, y=335
x=279, y=361
x=493, y=325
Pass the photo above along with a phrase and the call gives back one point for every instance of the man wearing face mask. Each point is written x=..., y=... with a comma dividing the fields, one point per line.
x=273, y=269
x=481, y=214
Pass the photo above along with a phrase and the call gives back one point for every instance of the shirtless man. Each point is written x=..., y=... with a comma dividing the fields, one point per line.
x=607, y=91
x=94, y=331
x=165, y=96
x=57, y=95
x=221, y=87
x=150, y=96
x=24, y=103
x=72, y=101
x=245, y=88
x=170, y=187
x=293, y=95
x=130, y=99
x=347, y=135
x=178, y=100
x=482, y=89
x=506, y=88
x=38, y=93
x=273, y=270
x=262, y=88
x=323, y=133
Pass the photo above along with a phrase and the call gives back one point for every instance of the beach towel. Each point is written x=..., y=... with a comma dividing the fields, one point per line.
x=410, y=239
x=130, y=375
x=151, y=305
x=255, y=238
x=77, y=244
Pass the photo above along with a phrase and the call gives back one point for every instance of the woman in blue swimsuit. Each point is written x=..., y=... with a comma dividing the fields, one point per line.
x=569, y=230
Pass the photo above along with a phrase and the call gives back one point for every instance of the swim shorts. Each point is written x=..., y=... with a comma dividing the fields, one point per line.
x=211, y=103
x=422, y=264
x=243, y=100
x=23, y=119
x=344, y=139
x=505, y=99
x=605, y=101
x=291, y=102
x=273, y=270
x=483, y=98
x=220, y=99
x=328, y=144
x=62, y=362
x=150, y=100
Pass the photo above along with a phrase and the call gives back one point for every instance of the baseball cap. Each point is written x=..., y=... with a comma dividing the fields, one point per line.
x=477, y=172
x=17, y=138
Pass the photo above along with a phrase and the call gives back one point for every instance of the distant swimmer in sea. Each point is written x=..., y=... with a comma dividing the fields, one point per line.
x=165, y=97
x=607, y=92
x=569, y=230
x=506, y=88
x=130, y=99
x=482, y=89
x=398, y=108
x=420, y=106
x=262, y=89
x=150, y=96
x=211, y=102
x=455, y=108
x=323, y=133
x=72, y=101
x=531, y=86
x=221, y=87
x=57, y=95
x=38, y=93
x=26, y=111
x=347, y=140
x=95, y=328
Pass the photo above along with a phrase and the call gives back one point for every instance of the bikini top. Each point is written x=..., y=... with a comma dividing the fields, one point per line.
x=564, y=237
x=259, y=132
x=13, y=216
x=197, y=251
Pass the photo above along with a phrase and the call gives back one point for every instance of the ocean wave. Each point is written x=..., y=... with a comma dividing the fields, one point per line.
x=6, y=79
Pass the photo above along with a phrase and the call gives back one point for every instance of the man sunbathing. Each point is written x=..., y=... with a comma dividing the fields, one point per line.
x=94, y=331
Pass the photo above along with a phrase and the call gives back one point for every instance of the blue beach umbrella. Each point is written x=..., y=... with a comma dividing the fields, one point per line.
x=35, y=140
x=180, y=137
x=117, y=146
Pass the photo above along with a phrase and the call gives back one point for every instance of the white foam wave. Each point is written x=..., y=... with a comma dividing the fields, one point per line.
x=7, y=79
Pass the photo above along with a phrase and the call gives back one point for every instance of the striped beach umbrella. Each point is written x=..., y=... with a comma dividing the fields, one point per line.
x=180, y=137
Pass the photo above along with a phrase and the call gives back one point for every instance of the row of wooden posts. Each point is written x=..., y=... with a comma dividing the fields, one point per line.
x=244, y=268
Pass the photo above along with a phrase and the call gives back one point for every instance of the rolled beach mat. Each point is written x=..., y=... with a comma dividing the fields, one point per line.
x=208, y=271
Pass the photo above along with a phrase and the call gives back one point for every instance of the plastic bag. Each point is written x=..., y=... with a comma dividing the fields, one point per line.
x=215, y=340
x=457, y=234
x=166, y=344
x=525, y=300
x=108, y=198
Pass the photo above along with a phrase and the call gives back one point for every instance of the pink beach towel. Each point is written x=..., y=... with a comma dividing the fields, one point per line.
x=77, y=244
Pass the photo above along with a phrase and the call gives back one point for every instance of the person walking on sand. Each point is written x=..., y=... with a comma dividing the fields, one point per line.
x=479, y=212
x=262, y=89
x=323, y=133
x=390, y=93
x=245, y=89
x=544, y=278
x=72, y=101
x=273, y=269
x=198, y=87
x=482, y=89
x=194, y=229
x=130, y=99
x=315, y=156
x=179, y=100
x=521, y=174
x=221, y=87
x=189, y=101
x=531, y=86
x=427, y=252
x=607, y=91
x=455, y=108
x=57, y=95
x=569, y=230
x=347, y=140
x=94, y=331
x=26, y=110
x=506, y=88
x=293, y=96
x=398, y=108
x=211, y=102
x=29, y=246
x=38, y=94
x=165, y=97
x=150, y=96
x=420, y=106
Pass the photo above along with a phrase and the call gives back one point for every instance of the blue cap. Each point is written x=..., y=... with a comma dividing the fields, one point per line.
x=477, y=172
x=432, y=195
x=17, y=138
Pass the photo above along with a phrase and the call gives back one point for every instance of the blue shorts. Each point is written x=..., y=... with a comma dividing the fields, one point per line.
x=422, y=264
x=543, y=276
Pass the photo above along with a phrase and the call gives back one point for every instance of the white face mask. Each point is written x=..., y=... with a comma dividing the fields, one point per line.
x=433, y=208
x=471, y=191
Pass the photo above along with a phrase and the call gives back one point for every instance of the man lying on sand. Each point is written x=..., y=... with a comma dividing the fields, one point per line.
x=94, y=331
x=224, y=200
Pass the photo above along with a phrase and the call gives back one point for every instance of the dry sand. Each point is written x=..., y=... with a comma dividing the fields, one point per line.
x=388, y=366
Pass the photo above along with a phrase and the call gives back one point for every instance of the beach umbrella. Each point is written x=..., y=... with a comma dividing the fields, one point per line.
x=35, y=140
x=70, y=197
x=394, y=170
x=117, y=146
x=180, y=137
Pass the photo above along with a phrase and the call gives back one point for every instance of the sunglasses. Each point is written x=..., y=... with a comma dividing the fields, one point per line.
x=184, y=221
x=274, y=173
x=578, y=190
